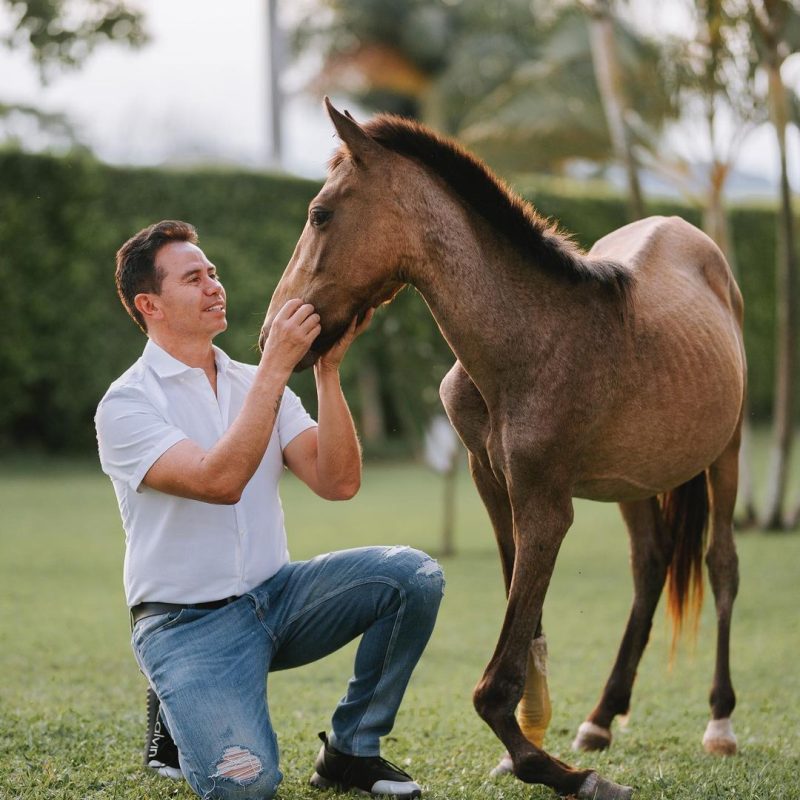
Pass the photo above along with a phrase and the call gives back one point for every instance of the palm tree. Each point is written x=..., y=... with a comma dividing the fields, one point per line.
x=711, y=77
x=574, y=98
x=776, y=28
x=616, y=107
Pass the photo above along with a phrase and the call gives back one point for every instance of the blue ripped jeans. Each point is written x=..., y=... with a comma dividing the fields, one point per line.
x=209, y=668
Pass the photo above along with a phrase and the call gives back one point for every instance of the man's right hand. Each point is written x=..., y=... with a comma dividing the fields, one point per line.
x=293, y=330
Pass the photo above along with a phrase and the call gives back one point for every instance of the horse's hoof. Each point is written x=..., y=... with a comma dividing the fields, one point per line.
x=591, y=737
x=504, y=766
x=597, y=788
x=719, y=738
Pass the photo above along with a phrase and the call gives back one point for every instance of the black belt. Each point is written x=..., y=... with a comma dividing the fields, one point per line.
x=144, y=610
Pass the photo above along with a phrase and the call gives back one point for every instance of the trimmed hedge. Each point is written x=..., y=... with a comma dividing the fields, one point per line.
x=65, y=336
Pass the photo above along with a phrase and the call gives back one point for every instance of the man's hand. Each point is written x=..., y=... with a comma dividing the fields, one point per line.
x=333, y=358
x=328, y=458
x=293, y=331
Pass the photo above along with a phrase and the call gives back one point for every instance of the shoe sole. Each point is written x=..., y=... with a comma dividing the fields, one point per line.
x=318, y=782
x=173, y=773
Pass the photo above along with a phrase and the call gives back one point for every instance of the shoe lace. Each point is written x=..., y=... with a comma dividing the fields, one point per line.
x=379, y=761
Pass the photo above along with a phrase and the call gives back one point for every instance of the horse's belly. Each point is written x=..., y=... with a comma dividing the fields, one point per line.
x=669, y=423
x=615, y=490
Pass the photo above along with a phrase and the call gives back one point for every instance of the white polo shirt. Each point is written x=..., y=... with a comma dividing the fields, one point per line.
x=179, y=550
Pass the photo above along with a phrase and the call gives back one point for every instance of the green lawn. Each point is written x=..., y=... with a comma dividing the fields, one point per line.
x=72, y=700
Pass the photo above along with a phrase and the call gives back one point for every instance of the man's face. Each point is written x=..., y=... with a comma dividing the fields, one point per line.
x=192, y=299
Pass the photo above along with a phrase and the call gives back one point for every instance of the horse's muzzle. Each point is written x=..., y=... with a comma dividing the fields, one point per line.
x=308, y=360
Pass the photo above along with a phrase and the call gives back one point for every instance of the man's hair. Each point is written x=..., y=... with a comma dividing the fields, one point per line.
x=136, y=262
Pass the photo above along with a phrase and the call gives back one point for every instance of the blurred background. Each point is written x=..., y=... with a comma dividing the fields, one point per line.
x=116, y=114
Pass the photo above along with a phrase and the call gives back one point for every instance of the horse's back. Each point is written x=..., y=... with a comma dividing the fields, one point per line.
x=665, y=253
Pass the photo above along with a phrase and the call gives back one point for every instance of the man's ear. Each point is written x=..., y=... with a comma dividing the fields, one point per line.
x=359, y=144
x=147, y=306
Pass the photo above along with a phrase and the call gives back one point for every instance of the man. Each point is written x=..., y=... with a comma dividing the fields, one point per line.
x=195, y=444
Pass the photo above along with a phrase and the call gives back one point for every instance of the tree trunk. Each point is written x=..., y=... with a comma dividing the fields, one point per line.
x=275, y=63
x=786, y=322
x=715, y=224
x=449, y=509
x=609, y=83
x=373, y=424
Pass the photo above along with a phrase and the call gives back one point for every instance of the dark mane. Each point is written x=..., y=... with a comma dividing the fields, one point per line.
x=535, y=236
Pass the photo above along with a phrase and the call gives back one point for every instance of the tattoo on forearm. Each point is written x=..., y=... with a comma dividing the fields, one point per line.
x=278, y=404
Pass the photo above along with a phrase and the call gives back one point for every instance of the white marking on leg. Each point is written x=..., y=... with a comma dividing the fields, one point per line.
x=504, y=766
x=587, y=731
x=719, y=737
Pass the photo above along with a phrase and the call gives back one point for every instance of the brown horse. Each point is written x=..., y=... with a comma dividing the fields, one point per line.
x=615, y=375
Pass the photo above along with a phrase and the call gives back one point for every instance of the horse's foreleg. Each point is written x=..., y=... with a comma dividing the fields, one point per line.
x=651, y=553
x=723, y=573
x=498, y=506
x=533, y=712
x=540, y=522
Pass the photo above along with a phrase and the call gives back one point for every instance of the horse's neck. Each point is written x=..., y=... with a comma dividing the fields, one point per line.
x=487, y=299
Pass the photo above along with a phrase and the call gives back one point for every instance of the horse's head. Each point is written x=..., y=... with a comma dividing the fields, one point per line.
x=349, y=257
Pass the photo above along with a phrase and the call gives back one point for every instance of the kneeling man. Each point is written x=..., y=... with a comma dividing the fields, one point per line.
x=195, y=444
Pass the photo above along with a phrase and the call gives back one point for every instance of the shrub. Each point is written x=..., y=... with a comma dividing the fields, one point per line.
x=66, y=337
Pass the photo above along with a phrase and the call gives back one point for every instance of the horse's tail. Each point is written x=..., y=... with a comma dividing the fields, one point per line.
x=685, y=510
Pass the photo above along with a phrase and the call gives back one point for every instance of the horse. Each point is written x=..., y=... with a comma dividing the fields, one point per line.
x=616, y=375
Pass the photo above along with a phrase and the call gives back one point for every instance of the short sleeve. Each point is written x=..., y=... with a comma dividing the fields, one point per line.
x=293, y=419
x=132, y=435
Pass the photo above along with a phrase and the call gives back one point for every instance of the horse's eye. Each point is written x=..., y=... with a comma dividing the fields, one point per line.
x=318, y=216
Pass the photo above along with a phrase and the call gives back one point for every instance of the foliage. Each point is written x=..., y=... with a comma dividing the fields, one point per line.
x=66, y=337
x=514, y=79
x=72, y=699
x=469, y=45
x=58, y=33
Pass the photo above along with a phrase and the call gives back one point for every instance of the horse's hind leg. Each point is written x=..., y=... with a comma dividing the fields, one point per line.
x=723, y=573
x=651, y=552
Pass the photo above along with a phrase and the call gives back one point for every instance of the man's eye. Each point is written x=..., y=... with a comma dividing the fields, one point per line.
x=318, y=216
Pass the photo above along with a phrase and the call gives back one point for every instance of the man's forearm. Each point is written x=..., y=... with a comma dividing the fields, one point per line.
x=233, y=460
x=338, y=450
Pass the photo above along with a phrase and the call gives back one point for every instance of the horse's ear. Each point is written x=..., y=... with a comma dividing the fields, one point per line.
x=360, y=145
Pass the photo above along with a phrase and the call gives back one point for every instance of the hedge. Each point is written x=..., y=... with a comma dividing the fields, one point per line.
x=65, y=337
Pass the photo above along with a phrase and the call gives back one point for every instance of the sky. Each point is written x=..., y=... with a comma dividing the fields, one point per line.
x=198, y=91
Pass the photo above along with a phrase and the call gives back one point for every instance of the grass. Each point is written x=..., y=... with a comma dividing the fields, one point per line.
x=71, y=698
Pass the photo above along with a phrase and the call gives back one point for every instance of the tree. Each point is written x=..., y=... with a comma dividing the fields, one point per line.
x=58, y=34
x=776, y=28
x=616, y=107
x=711, y=75
x=412, y=57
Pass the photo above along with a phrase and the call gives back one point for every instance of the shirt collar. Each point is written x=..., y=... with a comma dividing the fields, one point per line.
x=166, y=366
x=223, y=360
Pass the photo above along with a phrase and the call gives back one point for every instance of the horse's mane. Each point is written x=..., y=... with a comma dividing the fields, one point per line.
x=535, y=236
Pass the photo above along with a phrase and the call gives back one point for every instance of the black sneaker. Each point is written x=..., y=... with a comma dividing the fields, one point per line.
x=160, y=752
x=366, y=774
